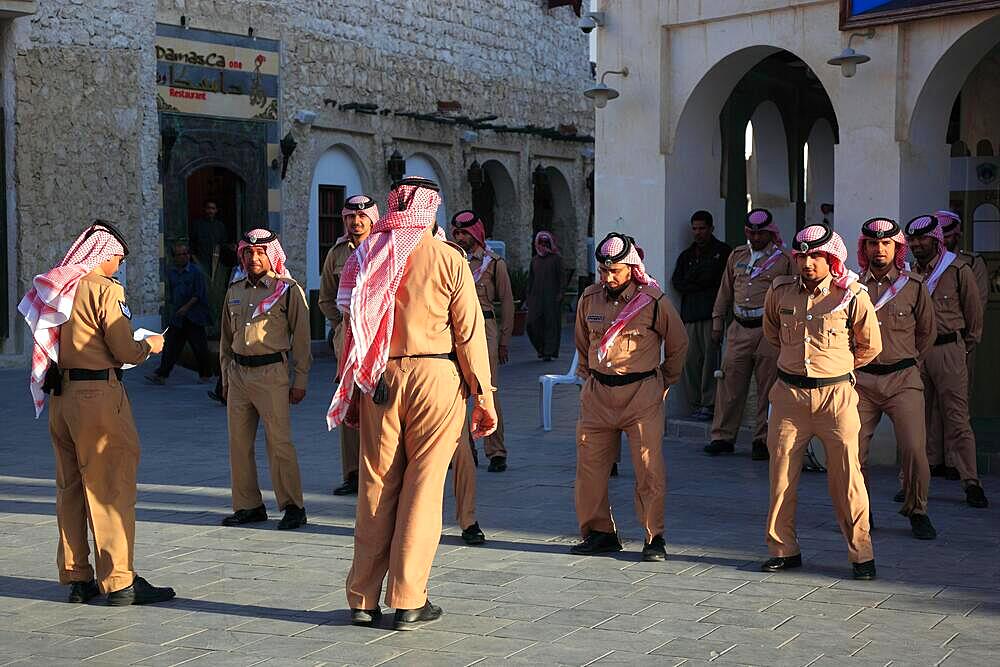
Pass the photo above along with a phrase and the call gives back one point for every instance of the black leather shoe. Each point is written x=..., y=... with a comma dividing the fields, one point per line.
x=922, y=528
x=411, y=619
x=295, y=517
x=975, y=496
x=240, y=517
x=366, y=617
x=900, y=496
x=779, y=563
x=473, y=536
x=864, y=571
x=81, y=591
x=349, y=487
x=614, y=470
x=140, y=592
x=719, y=447
x=497, y=464
x=655, y=551
x=597, y=543
x=759, y=451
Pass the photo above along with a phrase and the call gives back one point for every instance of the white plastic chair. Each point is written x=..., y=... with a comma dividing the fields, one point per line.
x=548, y=382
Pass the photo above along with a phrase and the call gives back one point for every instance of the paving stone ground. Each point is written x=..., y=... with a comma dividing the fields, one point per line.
x=253, y=596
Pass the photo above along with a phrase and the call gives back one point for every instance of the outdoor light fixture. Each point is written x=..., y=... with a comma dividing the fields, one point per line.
x=601, y=92
x=250, y=33
x=590, y=21
x=476, y=176
x=184, y=22
x=288, y=145
x=168, y=137
x=849, y=59
x=396, y=166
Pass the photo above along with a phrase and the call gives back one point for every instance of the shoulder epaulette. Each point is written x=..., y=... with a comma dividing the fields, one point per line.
x=591, y=290
x=913, y=275
x=783, y=280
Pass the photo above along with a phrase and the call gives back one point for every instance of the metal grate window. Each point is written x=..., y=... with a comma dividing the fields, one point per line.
x=331, y=224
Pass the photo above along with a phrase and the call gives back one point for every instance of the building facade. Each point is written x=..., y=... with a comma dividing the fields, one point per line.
x=732, y=103
x=139, y=113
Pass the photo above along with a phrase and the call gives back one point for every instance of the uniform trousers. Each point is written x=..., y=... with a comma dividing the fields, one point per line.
x=350, y=445
x=700, y=365
x=406, y=444
x=946, y=386
x=261, y=394
x=493, y=443
x=463, y=469
x=97, y=454
x=747, y=352
x=830, y=414
x=900, y=395
x=605, y=412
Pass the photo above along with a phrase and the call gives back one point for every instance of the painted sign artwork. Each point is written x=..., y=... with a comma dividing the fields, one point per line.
x=873, y=12
x=216, y=74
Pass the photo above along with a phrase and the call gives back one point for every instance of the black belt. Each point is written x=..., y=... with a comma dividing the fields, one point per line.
x=445, y=355
x=752, y=323
x=803, y=382
x=87, y=375
x=489, y=315
x=258, y=359
x=945, y=339
x=621, y=380
x=885, y=369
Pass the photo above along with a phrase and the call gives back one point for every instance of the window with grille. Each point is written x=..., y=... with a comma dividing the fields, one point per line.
x=331, y=224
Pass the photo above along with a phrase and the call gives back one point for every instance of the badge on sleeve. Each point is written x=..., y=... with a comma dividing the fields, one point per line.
x=125, y=310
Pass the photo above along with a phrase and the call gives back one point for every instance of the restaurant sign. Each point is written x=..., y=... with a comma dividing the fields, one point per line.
x=216, y=74
x=854, y=13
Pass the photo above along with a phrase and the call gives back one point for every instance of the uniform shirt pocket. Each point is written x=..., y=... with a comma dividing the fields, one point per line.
x=835, y=333
x=791, y=326
x=900, y=323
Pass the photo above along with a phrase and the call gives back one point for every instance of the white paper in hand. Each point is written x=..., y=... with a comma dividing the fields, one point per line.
x=142, y=334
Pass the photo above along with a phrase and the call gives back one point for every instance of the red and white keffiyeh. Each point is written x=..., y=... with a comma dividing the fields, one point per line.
x=761, y=220
x=49, y=302
x=471, y=224
x=878, y=228
x=949, y=220
x=836, y=255
x=610, y=247
x=354, y=205
x=545, y=243
x=266, y=239
x=923, y=225
x=368, y=287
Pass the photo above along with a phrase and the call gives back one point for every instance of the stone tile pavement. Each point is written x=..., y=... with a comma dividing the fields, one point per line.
x=253, y=596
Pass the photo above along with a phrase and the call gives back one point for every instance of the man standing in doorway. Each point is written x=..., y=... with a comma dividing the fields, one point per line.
x=359, y=214
x=266, y=318
x=414, y=351
x=489, y=271
x=958, y=312
x=623, y=325
x=824, y=327
x=749, y=272
x=212, y=249
x=696, y=278
x=891, y=384
x=544, y=297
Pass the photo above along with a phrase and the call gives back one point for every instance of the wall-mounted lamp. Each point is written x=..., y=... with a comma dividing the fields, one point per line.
x=168, y=137
x=184, y=22
x=396, y=166
x=591, y=20
x=849, y=59
x=288, y=146
x=601, y=92
x=476, y=176
x=250, y=33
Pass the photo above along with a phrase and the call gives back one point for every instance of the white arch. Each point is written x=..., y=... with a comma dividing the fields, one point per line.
x=338, y=165
x=986, y=228
x=819, y=169
x=423, y=165
x=505, y=209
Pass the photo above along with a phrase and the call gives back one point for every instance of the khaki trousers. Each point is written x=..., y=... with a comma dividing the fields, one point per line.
x=97, y=453
x=899, y=395
x=830, y=414
x=255, y=395
x=463, y=468
x=605, y=412
x=946, y=385
x=350, y=445
x=700, y=365
x=747, y=351
x=493, y=444
x=406, y=444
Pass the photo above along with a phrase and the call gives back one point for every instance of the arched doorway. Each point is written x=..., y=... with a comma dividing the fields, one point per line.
x=767, y=166
x=423, y=165
x=554, y=211
x=818, y=159
x=496, y=202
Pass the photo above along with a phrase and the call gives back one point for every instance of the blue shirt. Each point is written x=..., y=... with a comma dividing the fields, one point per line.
x=182, y=284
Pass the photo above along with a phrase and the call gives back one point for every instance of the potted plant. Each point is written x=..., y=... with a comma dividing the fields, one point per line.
x=519, y=288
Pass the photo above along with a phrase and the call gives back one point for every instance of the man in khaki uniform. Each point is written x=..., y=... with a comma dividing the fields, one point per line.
x=958, y=312
x=824, y=327
x=415, y=349
x=82, y=337
x=749, y=272
x=359, y=213
x=489, y=270
x=266, y=317
x=891, y=384
x=622, y=324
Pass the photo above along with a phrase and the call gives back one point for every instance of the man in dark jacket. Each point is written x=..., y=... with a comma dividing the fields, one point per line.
x=697, y=277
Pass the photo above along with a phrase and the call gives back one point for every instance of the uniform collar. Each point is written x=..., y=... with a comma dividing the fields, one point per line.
x=890, y=276
x=267, y=280
x=934, y=262
x=822, y=288
x=627, y=294
x=478, y=253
